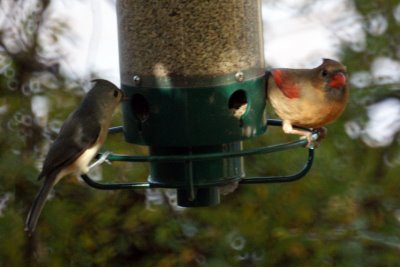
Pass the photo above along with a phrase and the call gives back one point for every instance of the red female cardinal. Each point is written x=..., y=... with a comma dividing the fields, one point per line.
x=309, y=98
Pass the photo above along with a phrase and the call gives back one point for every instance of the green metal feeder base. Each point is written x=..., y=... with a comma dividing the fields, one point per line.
x=176, y=119
x=188, y=117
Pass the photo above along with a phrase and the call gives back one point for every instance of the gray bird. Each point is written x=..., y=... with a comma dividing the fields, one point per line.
x=80, y=138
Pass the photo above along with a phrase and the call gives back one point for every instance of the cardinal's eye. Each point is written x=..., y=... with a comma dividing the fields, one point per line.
x=324, y=73
x=116, y=93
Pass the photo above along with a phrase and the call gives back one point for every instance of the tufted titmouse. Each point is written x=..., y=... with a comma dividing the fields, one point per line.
x=79, y=140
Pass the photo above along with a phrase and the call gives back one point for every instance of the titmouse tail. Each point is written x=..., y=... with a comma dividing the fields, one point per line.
x=37, y=206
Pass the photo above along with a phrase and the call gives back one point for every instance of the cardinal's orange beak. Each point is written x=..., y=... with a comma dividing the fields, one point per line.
x=338, y=80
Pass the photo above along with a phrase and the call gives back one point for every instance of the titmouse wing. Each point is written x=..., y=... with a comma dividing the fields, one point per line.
x=77, y=134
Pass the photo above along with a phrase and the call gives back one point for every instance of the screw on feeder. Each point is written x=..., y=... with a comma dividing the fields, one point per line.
x=239, y=76
x=136, y=80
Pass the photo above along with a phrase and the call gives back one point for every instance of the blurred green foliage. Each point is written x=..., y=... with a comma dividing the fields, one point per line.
x=345, y=212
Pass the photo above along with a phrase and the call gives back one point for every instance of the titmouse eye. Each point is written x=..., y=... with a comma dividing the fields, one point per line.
x=116, y=93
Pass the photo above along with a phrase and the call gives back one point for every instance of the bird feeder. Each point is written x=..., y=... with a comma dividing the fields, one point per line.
x=194, y=74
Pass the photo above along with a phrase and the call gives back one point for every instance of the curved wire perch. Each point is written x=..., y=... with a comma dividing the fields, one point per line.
x=208, y=156
x=282, y=179
x=114, y=186
x=248, y=180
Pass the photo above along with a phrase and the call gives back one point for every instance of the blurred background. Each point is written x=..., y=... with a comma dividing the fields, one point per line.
x=345, y=212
